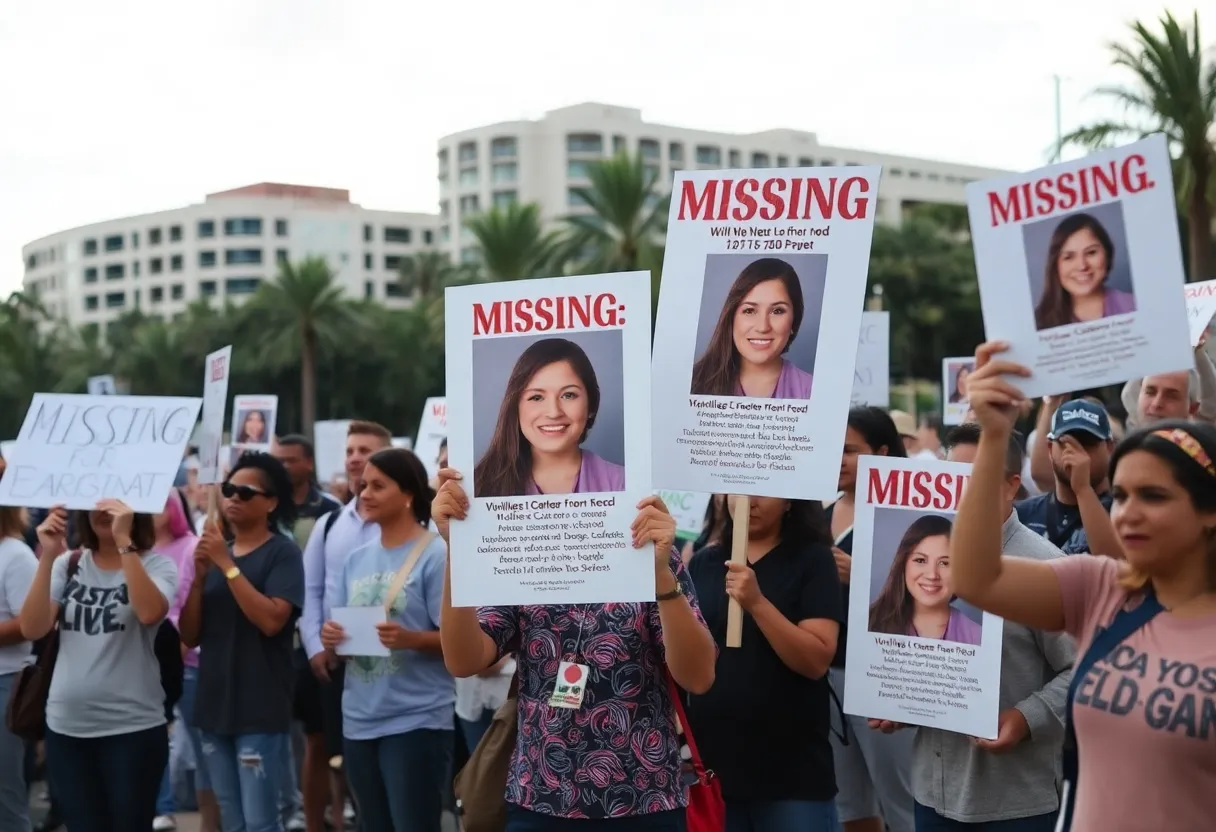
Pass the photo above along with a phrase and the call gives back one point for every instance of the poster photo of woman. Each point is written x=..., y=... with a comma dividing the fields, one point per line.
x=955, y=372
x=911, y=593
x=251, y=428
x=1078, y=267
x=548, y=414
x=758, y=329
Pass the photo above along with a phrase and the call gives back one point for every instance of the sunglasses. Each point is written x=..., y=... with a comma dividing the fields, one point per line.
x=244, y=493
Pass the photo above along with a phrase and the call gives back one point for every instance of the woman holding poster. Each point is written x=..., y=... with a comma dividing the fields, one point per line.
x=547, y=412
x=1075, y=288
x=1138, y=738
x=757, y=325
x=916, y=598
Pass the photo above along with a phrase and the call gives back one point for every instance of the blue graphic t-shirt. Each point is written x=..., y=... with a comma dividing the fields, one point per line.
x=1061, y=524
x=407, y=690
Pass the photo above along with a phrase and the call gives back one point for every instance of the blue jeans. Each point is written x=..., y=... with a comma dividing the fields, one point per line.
x=928, y=820
x=14, y=791
x=782, y=816
x=523, y=820
x=107, y=784
x=202, y=783
x=475, y=729
x=399, y=781
x=247, y=777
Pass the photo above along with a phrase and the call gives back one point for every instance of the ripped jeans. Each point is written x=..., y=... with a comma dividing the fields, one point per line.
x=246, y=773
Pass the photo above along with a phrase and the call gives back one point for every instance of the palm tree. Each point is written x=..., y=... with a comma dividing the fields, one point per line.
x=426, y=274
x=1174, y=93
x=300, y=313
x=628, y=218
x=514, y=244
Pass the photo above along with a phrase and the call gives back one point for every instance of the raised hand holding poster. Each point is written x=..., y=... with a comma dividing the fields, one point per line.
x=548, y=395
x=915, y=654
x=1080, y=269
x=759, y=313
x=74, y=450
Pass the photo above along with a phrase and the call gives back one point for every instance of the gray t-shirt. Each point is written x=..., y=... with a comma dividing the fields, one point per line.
x=17, y=568
x=107, y=678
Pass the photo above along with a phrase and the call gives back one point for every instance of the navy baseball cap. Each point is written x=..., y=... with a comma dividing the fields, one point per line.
x=1080, y=415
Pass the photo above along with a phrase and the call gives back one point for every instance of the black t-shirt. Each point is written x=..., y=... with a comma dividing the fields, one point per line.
x=845, y=544
x=762, y=727
x=245, y=679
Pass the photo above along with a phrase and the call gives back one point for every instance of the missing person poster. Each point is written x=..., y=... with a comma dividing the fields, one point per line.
x=916, y=654
x=548, y=392
x=216, y=368
x=432, y=430
x=759, y=313
x=1200, y=307
x=74, y=450
x=1080, y=269
x=253, y=424
x=955, y=372
x=872, y=374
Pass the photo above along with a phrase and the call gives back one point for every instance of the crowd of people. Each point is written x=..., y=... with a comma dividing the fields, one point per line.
x=1095, y=554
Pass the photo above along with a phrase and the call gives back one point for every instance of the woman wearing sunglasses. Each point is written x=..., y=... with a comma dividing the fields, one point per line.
x=243, y=604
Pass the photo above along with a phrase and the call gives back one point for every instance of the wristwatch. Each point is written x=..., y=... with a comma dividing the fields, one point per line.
x=232, y=572
x=672, y=594
x=128, y=550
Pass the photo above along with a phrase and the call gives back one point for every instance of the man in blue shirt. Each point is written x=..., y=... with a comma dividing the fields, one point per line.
x=1078, y=508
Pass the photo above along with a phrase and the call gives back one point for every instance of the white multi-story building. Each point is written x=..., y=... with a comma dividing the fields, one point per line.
x=546, y=161
x=220, y=249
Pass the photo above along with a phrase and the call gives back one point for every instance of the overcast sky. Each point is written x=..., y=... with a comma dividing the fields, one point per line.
x=127, y=106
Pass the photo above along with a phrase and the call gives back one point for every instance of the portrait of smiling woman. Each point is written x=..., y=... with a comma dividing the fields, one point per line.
x=1076, y=281
x=549, y=408
x=747, y=353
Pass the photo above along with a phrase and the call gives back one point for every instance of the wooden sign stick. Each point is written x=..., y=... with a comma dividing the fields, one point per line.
x=740, y=510
x=213, y=505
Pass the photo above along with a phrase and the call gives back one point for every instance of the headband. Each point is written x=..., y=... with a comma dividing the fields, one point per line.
x=1190, y=446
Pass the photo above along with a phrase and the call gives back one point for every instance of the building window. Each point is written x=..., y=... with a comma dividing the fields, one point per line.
x=503, y=148
x=443, y=161
x=207, y=288
x=504, y=173
x=618, y=145
x=116, y=300
x=783, y=161
x=157, y=294
x=467, y=153
x=243, y=257
x=243, y=227
x=393, y=289
x=177, y=291
x=468, y=177
x=175, y=233
x=153, y=236
x=241, y=285
x=577, y=169
x=828, y=163
x=805, y=162
x=649, y=148
x=445, y=233
x=469, y=204
x=113, y=243
x=428, y=236
x=90, y=247
x=369, y=289
x=90, y=303
x=135, y=269
x=206, y=259
x=675, y=153
x=280, y=228
x=156, y=265
x=574, y=198
x=585, y=143
x=504, y=199
x=651, y=172
x=709, y=155
x=175, y=263
x=280, y=255
x=116, y=271
x=367, y=233
x=760, y=160
x=134, y=239
x=367, y=261
x=206, y=228
x=914, y=174
x=396, y=234
x=735, y=159
x=934, y=177
x=136, y=298
x=392, y=262
x=90, y=274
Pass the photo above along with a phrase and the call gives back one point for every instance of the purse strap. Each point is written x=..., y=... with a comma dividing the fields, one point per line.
x=682, y=723
x=403, y=574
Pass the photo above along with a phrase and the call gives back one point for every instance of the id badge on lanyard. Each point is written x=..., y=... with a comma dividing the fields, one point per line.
x=571, y=683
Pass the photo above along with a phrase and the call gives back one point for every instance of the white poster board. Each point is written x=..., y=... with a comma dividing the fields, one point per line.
x=74, y=450
x=764, y=278
x=432, y=430
x=1200, y=307
x=101, y=386
x=253, y=424
x=688, y=510
x=955, y=372
x=216, y=370
x=6, y=447
x=1080, y=269
x=329, y=441
x=403, y=442
x=913, y=656
x=549, y=422
x=872, y=374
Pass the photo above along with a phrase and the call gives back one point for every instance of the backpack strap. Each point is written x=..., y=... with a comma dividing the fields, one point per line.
x=330, y=519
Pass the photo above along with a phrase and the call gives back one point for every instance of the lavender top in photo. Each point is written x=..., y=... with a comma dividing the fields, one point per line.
x=960, y=628
x=1117, y=302
x=793, y=383
x=595, y=475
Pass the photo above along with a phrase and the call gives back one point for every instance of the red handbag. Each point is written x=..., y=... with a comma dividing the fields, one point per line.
x=706, y=808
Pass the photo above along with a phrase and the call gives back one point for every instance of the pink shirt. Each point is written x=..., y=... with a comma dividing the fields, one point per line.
x=181, y=552
x=793, y=383
x=960, y=627
x=595, y=475
x=1145, y=716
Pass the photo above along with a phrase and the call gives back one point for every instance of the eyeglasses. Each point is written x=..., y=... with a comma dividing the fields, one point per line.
x=244, y=493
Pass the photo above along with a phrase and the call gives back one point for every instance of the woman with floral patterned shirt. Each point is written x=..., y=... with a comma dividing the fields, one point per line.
x=613, y=762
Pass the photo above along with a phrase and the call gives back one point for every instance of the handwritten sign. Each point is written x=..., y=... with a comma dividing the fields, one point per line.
x=75, y=450
x=1200, y=307
x=101, y=386
x=216, y=368
x=872, y=374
